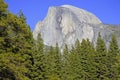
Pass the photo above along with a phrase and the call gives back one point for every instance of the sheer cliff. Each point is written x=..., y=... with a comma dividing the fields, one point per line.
x=65, y=24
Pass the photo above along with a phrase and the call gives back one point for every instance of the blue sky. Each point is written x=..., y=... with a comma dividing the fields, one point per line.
x=108, y=11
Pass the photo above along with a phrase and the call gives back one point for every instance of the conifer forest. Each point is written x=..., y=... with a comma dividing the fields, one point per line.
x=23, y=58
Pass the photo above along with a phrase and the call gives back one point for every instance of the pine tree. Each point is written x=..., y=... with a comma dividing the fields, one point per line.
x=49, y=63
x=101, y=59
x=58, y=61
x=21, y=16
x=116, y=67
x=65, y=63
x=15, y=39
x=113, y=49
x=112, y=57
x=3, y=23
x=13, y=67
x=87, y=60
x=65, y=53
x=3, y=7
x=38, y=56
x=53, y=63
x=75, y=66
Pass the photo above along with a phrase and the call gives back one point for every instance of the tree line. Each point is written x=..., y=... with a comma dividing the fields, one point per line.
x=23, y=58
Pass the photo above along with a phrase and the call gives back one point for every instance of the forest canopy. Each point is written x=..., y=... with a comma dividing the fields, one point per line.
x=23, y=58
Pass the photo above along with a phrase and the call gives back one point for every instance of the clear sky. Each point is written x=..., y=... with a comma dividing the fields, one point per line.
x=108, y=11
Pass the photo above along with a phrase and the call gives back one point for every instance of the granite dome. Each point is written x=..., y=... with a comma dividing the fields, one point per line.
x=65, y=24
x=83, y=15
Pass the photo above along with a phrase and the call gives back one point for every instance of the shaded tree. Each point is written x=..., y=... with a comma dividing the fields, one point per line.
x=101, y=59
x=112, y=58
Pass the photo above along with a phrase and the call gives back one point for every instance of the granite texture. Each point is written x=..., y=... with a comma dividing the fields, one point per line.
x=65, y=24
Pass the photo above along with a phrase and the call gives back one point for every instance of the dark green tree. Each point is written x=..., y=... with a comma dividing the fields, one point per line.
x=65, y=63
x=58, y=61
x=21, y=16
x=38, y=59
x=112, y=57
x=101, y=59
x=53, y=63
x=13, y=67
x=86, y=55
x=74, y=65
x=3, y=7
x=15, y=38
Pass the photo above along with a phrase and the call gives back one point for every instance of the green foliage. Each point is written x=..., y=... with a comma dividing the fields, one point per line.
x=87, y=58
x=22, y=58
x=53, y=77
x=65, y=63
x=3, y=7
x=101, y=59
x=38, y=56
x=112, y=57
x=16, y=43
x=101, y=47
x=113, y=46
x=13, y=67
x=53, y=62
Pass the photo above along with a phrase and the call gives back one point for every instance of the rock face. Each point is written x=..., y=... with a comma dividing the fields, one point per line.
x=65, y=24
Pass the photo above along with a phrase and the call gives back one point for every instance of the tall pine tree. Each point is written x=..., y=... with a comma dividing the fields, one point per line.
x=101, y=59
x=38, y=59
x=113, y=52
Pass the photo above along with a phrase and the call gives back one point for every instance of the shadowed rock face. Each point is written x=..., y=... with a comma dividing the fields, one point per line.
x=66, y=24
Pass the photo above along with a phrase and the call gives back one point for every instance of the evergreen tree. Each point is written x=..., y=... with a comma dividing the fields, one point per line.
x=22, y=58
x=101, y=59
x=13, y=67
x=65, y=53
x=75, y=66
x=117, y=67
x=112, y=57
x=3, y=17
x=38, y=56
x=15, y=38
x=65, y=63
x=21, y=16
x=49, y=64
x=58, y=61
x=53, y=63
x=3, y=7
x=113, y=49
x=82, y=61
x=87, y=60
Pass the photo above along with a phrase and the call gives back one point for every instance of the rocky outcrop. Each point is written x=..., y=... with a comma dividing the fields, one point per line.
x=65, y=24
